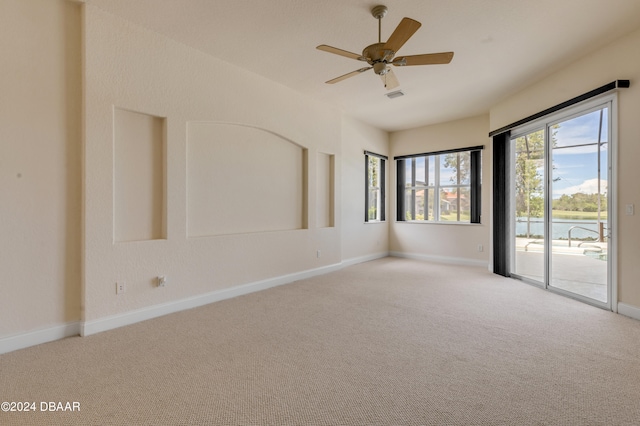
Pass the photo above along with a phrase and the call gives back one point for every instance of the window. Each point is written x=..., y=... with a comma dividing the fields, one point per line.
x=441, y=186
x=375, y=187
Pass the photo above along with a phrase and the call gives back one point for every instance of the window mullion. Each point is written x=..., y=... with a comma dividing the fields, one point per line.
x=426, y=188
x=382, y=185
x=401, y=189
x=436, y=191
x=458, y=187
x=367, y=179
x=413, y=189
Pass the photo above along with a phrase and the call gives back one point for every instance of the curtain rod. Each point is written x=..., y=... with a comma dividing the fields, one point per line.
x=373, y=154
x=446, y=151
x=600, y=90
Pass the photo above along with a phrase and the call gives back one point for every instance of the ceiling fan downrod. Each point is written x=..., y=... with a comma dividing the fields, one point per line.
x=379, y=12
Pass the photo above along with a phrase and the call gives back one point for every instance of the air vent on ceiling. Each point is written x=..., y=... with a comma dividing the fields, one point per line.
x=395, y=94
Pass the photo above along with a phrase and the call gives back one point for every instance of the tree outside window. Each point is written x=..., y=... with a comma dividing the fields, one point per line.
x=375, y=188
x=441, y=187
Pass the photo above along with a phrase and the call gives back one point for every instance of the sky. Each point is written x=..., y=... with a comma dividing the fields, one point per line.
x=576, y=169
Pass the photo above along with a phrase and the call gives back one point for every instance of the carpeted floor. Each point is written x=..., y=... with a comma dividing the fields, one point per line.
x=388, y=342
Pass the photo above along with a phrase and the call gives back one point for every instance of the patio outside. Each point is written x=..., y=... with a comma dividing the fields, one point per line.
x=580, y=269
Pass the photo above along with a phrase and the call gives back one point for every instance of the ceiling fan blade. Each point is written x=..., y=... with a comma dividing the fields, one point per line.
x=351, y=74
x=340, y=52
x=403, y=32
x=426, y=59
x=390, y=80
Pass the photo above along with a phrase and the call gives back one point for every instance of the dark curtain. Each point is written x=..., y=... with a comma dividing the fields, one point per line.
x=476, y=186
x=501, y=210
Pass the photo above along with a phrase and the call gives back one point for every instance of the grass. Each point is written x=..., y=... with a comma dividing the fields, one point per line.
x=565, y=214
x=453, y=217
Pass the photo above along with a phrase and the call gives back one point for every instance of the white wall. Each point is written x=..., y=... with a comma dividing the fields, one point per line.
x=616, y=61
x=241, y=179
x=60, y=254
x=138, y=70
x=40, y=167
x=361, y=240
x=138, y=169
x=446, y=242
x=45, y=258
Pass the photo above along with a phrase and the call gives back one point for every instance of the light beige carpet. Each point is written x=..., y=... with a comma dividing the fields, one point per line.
x=388, y=342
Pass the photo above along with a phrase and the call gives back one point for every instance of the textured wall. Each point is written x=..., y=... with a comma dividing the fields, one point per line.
x=360, y=239
x=241, y=179
x=326, y=190
x=139, y=176
x=138, y=70
x=40, y=168
x=452, y=242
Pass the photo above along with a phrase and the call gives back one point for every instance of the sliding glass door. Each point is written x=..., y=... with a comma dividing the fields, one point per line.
x=561, y=168
x=528, y=205
x=578, y=203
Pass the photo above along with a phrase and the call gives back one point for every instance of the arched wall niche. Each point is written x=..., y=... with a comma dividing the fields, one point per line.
x=243, y=179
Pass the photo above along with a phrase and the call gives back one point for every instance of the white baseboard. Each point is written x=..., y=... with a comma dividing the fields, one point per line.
x=629, y=310
x=361, y=259
x=441, y=259
x=36, y=337
x=56, y=332
x=143, y=314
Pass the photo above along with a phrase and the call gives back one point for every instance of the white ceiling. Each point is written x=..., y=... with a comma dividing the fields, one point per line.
x=500, y=46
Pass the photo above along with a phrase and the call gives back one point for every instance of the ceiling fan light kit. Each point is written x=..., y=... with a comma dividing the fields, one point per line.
x=379, y=55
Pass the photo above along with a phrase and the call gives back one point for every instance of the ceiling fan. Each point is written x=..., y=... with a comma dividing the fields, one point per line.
x=379, y=55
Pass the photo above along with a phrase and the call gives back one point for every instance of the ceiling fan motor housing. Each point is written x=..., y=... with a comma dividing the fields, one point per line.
x=378, y=57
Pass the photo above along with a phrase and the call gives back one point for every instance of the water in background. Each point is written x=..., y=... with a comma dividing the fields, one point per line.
x=560, y=228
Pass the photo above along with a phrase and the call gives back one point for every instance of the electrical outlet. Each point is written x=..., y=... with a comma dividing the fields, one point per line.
x=630, y=209
x=480, y=248
x=121, y=287
x=318, y=253
x=162, y=281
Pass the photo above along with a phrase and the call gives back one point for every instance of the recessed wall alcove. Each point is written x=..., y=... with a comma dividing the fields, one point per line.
x=325, y=190
x=243, y=179
x=139, y=176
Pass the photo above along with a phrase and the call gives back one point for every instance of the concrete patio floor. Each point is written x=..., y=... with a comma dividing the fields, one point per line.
x=580, y=269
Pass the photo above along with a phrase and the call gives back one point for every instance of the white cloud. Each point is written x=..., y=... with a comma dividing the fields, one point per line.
x=589, y=186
